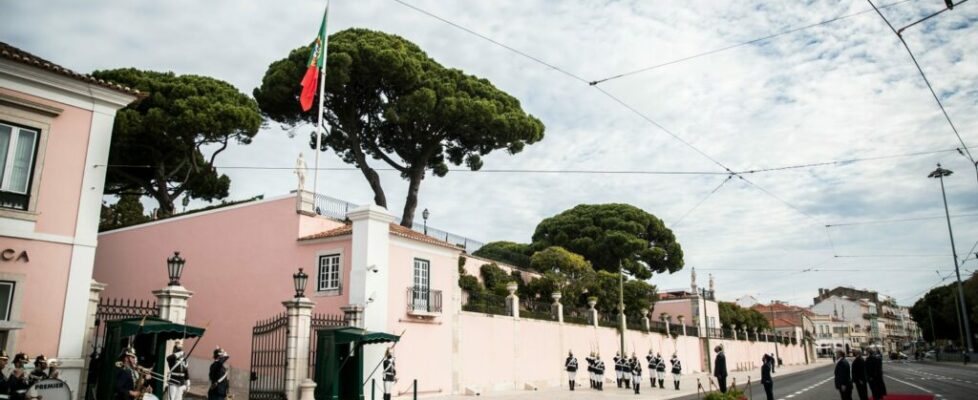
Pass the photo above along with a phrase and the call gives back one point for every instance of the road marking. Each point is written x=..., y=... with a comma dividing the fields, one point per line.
x=912, y=385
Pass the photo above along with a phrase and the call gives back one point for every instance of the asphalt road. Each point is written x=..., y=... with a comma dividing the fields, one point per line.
x=944, y=381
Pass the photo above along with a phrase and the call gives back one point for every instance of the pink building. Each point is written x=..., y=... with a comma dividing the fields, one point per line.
x=694, y=306
x=55, y=131
x=239, y=265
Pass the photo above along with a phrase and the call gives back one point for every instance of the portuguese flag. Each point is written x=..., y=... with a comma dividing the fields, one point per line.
x=310, y=82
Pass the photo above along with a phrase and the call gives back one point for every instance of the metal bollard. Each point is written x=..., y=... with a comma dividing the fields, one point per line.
x=373, y=388
x=415, y=390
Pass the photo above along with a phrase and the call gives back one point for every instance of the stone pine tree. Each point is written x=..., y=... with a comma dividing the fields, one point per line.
x=158, y=142
x=386, y=100
x=609, y=234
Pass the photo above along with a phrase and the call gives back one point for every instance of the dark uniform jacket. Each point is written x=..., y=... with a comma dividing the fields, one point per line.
x=37, y=376
x=4, y=388
x=843, y=374
x=859, y=371
x=178, y=370
x=598, y=366
x=17, y=387
x=390, y=371
x=636, y=368
x=766, y=374
x=590, y=364
x=618, y=364
x=720, y=366
x=660, y=364
x=677, y=366
x=125, y=382
x=219, y=381
x=571, y=364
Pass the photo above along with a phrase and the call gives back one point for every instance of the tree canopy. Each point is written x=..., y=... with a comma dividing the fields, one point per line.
x=125, y=212
x=733, y=315
x=385, y=99
x=158, y=141
x=609, y=234
x=512, y=253
x=940, y=307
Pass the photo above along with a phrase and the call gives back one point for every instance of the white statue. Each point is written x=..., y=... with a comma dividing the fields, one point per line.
x=692, y=280
x=300, y=171
x=711, y=282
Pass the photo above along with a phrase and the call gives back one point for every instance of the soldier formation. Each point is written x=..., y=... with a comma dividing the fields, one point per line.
x=16, y=385
x=628, y=370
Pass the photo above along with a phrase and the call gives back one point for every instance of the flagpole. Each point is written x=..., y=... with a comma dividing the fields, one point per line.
x=319, y=119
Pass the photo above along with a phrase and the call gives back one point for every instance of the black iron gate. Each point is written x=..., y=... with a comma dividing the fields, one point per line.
x=110, y=309
x=269, y=358
x=320, y=321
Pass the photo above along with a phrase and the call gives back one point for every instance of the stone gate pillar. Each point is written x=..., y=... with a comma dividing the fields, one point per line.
x=299, y=313
x=556, y=308
x=94, y=295
x=172, y=301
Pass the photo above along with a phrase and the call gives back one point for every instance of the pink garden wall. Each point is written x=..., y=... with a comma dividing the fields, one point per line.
x=528, y=351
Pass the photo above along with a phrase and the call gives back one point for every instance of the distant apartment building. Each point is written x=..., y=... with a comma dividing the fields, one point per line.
x=831, y=334
x=787, y=319
x=860, y=313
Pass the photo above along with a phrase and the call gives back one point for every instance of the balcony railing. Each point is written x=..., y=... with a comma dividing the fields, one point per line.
x=422, y=301
x=336, y=208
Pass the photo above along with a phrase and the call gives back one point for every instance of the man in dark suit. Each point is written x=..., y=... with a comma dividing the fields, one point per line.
x=218, y=375
x=766, y=365
x=874, y=375
x=843, y=377
x=859, y=374
x=720, y=369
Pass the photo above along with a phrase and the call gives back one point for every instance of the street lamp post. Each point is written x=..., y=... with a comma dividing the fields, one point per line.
x=621, y=307
x=174, y=268
x=424, y=215
x=774, y=318
x=940, y=173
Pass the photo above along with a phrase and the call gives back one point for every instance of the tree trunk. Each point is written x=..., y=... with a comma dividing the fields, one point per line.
x=407, y=219
x=162, y=195
x=374, y=180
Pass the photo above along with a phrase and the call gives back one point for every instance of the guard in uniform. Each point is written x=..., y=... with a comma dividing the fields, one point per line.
x=4, y=389
x=179, y=379
x=390, y=374
x=570, y=364
x=218, y=376
x=129, y=385
x=590, y=370
x=660, y=370
x=677, y=370
x=650, y=358
x=636, y=371
x=618, y=368
x=599, y=372
x=17, y=382
x=39, y=373
x=626, y=371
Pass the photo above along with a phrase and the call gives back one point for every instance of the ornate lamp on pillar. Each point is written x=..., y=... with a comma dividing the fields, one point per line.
x=174, y=268
x=299, y=279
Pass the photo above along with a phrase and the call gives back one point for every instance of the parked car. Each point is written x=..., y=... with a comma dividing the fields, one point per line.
x=930, y=355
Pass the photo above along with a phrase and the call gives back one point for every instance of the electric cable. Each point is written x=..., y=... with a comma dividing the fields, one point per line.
x=741, y=44
x=888, y=221
x=680, y=220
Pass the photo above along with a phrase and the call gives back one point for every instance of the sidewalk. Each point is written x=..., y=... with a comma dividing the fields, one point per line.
x=687, y=386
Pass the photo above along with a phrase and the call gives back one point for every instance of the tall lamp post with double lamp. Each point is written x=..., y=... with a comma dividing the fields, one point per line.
x=940, y=173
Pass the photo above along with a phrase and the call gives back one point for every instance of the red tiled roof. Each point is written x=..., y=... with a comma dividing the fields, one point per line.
x=14, y=54
x=341, y=231
x=395, y=229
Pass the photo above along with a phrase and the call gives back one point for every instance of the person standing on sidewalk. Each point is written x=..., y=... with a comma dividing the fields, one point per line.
x=843, y=377
x=720, y=369
x=677, y=370
x=859, y=374
x=767, y=364
x=874, y=374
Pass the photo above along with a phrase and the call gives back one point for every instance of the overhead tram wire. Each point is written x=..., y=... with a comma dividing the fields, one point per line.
x=741, y=44
x=486, y=38
x=681, y=218
x=899, y=35
x=887, y=221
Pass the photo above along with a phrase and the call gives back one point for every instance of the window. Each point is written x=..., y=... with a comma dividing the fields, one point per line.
x=329, y=273
x=421, y=291
x=6, y=299
x=18, y=148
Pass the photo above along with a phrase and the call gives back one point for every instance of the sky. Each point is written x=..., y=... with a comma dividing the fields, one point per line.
x=839, y=91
